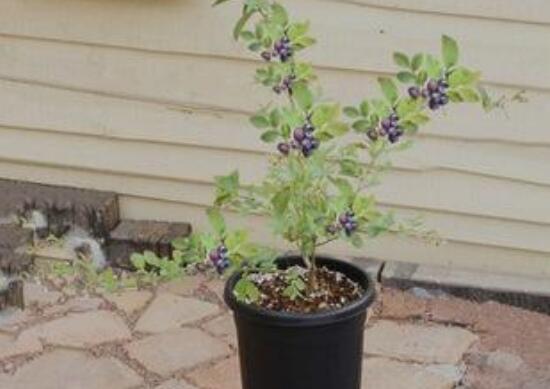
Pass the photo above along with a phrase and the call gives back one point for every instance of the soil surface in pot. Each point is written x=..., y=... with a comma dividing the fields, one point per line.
x=287, y=291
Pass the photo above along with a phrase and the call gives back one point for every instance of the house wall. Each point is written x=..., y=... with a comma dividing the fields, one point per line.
x=149, y=99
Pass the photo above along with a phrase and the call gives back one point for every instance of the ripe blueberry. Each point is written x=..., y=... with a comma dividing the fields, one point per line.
x=414, y=92
x=284, y=148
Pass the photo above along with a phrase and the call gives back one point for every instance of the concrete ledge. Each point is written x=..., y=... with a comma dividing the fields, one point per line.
x=524, y=292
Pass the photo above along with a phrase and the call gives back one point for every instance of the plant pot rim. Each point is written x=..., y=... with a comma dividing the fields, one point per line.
x=287, y=319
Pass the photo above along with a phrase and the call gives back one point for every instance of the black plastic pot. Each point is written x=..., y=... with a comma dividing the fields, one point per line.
x=302, y=351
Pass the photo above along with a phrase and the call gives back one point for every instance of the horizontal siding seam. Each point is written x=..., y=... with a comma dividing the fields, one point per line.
x=207, y=183
x=242, y=59
x=250, y=151
x=439, y=13
x=454, y=240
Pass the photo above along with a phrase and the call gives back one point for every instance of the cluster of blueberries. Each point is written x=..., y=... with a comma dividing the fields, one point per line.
x=388, y=127
x=220, y=258
x=303, y=139
x=348, y=222
x=281, y=49
x=285, y=85
x=435, y=91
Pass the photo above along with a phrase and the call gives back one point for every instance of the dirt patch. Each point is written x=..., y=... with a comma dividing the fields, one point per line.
x=288, y=291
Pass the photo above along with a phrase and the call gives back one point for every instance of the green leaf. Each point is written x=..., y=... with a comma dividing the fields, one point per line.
x=419, y=118
x=324, y=113
x=303, y=96
x=422, y=77
x=246, y=291
x=280, y=201
x=389, y=89
x=406, y=77
x=469, y=95
x=486, y=100
x=296, y=30
x=462, y=76
x=364, y=107
x=226, y=188
x=216, y=221
x=337, y=128
x=259, y=121
x=450, y=51
x=344, y=186
x=417, y=61
x=361, y=125
x=401, y=60
x=270, y=136
x=433, y=67
x=241, y=23
x=138, y=261
x=247, y=35
x=279, y=14
x=351, y=112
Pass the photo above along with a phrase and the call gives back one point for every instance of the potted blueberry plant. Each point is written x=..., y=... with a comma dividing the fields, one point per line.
x=300, y=317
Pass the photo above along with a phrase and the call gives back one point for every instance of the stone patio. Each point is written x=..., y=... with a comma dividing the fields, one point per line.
x=180, y=336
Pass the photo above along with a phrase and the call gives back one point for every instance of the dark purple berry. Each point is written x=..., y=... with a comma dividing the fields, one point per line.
x=433, y=104
x=284, y=148
x=414, y=92
x=393, y=138
x=307, y=144
x=214, y=256
x=266, y=55
x=443, y=100
x=386, y=124
x=299, y=135
x=432, y=86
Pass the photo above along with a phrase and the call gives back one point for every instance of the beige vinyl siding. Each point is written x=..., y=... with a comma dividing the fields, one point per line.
x=150, y=99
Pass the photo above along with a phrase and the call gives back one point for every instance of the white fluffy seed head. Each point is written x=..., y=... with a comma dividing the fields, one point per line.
x=78, y=238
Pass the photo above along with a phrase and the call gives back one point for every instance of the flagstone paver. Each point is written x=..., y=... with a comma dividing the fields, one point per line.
x=75, y=305
x=223, y=327
x=36, y=294
x=223, y=375
x=179, y=349
x=176, y=384
x=130, y=301
x=83, y=330
x=71, y=370
x=13, y=319
x=418, y=343
x=184, y=286
x=12, y=346
x=390, y=374
x=191, y=344
x=169, y=311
